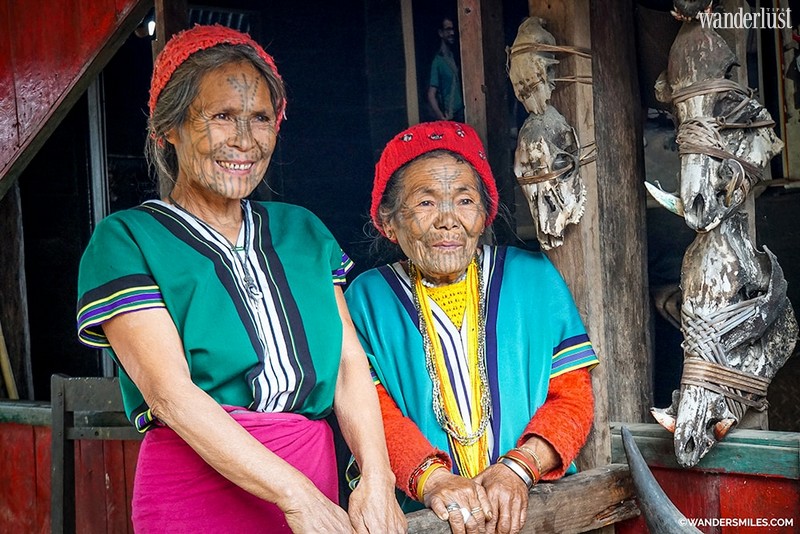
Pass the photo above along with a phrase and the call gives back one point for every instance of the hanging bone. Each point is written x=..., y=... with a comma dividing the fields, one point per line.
x=739, y=329
x=725, y=136
x=547, y=166
x=531, y=68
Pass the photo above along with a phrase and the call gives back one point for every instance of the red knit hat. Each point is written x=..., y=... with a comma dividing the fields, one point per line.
x=427, y=137
x=185, y=43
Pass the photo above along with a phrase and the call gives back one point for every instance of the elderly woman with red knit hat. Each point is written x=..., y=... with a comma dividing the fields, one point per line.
x=480, y=358
x=227, y=318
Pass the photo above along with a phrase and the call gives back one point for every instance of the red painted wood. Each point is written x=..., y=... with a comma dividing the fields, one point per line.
x=42, y=438
x=17, y=478
x=760, y=499
x=90, y=487
x=116, y=494
x=45, y=47
x=9, y=135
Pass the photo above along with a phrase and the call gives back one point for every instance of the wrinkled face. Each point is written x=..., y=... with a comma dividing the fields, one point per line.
x=227, y=140
x=441, y=217
x=547, y=145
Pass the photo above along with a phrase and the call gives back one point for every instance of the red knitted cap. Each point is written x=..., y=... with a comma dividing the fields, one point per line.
x=427, y=137
x=185, y=43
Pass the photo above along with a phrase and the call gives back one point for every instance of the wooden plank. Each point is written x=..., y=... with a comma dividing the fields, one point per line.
x=9, y=133
x=576, y=503
x=90, y=488
x=73, y=81
x=579, y=259
x=42, y=442
x=172, y=16
x=115, y=492
x=17, y=478
x=752, y=452
x=409, y=54
x=470, y=29
x=765, y=499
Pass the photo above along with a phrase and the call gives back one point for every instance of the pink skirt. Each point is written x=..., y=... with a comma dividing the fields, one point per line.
x=176, y=491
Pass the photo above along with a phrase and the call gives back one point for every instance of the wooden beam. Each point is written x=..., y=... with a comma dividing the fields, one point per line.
x=14, y=296
x=410, y=54
x=172, y=16
x=578, y=259
x=577, y=503
x=470, y=28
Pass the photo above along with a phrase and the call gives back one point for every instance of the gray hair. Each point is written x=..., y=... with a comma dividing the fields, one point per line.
x=172, y=107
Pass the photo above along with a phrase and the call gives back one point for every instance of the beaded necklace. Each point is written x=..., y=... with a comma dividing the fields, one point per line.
x=469, y=444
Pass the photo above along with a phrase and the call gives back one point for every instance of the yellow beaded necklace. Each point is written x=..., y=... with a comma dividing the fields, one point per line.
x=470, y=445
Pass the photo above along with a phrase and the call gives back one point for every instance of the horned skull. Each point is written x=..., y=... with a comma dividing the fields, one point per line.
x=739, y=329
x=725, y=136
x=530, y=68
x=547, y=166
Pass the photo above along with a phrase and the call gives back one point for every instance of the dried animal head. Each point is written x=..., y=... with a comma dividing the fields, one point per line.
x=739, y=329
x=531, y=70
x=547, y=166
x=725, y=136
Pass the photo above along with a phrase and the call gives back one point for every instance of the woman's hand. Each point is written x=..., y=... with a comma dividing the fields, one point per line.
x=307, y=510
x=508, y=497
x=443, y=489
x=373, y=508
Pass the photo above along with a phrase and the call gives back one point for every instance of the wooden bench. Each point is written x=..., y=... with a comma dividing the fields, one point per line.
x=85, y=408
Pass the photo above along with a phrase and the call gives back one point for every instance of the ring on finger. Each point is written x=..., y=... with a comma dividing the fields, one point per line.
x=476, y=510
x=452, y=507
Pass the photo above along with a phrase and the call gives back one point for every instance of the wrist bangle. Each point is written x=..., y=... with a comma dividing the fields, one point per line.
x=518, y=470
x=424, y=478
x=522, y=459
x=416, y=475
x=533, y=455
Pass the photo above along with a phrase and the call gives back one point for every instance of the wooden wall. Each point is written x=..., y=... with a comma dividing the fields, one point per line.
x=103, y=486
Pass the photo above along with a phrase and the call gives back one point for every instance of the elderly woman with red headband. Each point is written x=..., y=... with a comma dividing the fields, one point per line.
x=227, y=318
x=479, y=355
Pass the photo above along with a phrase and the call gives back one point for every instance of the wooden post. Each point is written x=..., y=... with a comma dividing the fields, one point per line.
x=470, y=28
x=578, y=259
x=172, y=16
x=14, y=294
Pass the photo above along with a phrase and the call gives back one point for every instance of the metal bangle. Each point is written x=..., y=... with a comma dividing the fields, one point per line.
x=519, y=471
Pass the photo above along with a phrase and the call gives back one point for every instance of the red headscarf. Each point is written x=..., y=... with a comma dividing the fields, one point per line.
x=427, y=137
x=185, y=43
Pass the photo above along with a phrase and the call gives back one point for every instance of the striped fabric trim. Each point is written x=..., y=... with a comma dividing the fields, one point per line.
x=573, y=353
x=374, y=375
x=340, y=274
x=113, y=299
x=454, y=346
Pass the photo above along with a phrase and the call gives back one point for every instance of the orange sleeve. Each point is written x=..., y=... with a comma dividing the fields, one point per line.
x=408, y=447
x=565, y=418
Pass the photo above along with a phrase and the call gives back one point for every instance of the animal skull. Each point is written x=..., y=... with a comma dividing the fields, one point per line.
x=547, y=165
x=735, y=313
x=531, y=70
x=725, y=136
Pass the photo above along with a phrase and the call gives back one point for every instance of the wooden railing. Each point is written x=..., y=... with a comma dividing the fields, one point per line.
x=577, y=503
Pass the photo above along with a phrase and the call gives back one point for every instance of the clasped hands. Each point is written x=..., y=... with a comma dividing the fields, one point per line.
x=495, y=501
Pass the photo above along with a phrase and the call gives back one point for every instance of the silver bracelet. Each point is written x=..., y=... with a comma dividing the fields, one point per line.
x=519, y=471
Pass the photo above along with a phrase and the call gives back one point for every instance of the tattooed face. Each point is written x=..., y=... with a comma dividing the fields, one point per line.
x=229, y=135
x=441, y=217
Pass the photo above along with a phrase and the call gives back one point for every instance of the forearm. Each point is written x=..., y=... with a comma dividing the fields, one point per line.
x=434, y=104
x=559, y=428
x=149, y=348
x=356, y=404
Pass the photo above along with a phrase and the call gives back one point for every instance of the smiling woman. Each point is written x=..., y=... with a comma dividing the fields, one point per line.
x=227, y=318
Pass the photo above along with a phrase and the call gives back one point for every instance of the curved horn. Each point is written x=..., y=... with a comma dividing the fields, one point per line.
x=672, y=202
x=659, y=513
